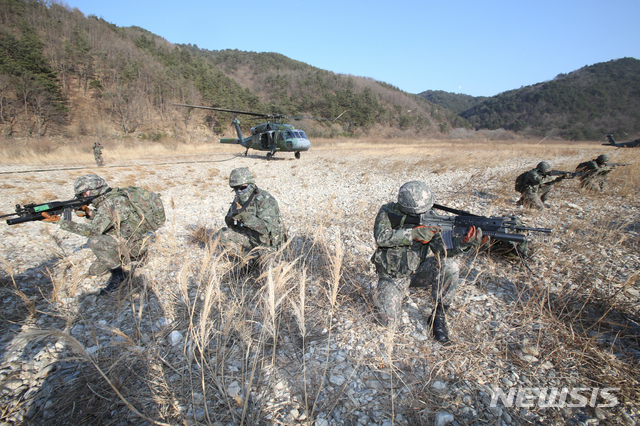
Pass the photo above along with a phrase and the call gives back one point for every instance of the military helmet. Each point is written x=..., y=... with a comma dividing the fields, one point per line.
x=602, y=159
x=240, y=176
x=93, y=183
x=415, y=197
x=543, y=166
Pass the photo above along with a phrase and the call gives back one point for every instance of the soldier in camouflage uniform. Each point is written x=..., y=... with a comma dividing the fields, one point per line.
x=595, y=173
x=253, y=220
x=402, y=258
x=97, y=153
x=115, y=231
x=536, y=186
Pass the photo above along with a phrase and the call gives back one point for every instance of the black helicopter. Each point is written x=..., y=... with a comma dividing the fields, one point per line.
x=271, y=136
x=630, y=144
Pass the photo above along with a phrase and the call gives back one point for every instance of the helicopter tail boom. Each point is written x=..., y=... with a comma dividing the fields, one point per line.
x=231, y=140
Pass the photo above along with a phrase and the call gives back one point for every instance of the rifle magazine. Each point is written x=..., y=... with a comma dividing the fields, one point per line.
x=447, y=237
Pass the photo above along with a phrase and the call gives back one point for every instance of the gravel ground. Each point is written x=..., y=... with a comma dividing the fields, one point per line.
x=566, y=320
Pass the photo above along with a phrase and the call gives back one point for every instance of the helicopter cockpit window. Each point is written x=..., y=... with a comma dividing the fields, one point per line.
x=280, y=138
x=290, y=134
x=301, y=134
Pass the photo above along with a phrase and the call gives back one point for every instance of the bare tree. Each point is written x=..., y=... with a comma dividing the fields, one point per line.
x=8, y=114
x=125, y=107
x=26, y=86
x=44, y=111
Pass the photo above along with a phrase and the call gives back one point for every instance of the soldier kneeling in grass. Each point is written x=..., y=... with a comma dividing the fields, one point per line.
x=535, y=186
x=254, y=226
x=416, y=257
x=120, y=225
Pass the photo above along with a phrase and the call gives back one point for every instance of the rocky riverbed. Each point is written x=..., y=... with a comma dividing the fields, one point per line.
x=194, y=338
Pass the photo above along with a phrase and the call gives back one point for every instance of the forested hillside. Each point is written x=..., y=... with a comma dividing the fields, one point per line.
x=62, y=73
x=455, y=102
x=583, y=105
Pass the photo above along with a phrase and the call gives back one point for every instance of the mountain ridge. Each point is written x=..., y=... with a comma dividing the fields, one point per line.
x=129, y=79
x=585, y=104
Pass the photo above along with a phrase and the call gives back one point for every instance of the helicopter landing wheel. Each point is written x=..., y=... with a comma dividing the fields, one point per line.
x=269, y=156
x=297, y=155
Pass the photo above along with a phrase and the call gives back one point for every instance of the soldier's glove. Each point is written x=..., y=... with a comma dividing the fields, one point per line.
x=424, y=234
x=473, y=237
x=84, y=211
x=241, y=217
x=50, y=217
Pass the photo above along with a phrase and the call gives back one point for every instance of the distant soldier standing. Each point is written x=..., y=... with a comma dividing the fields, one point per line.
x=253, y=220
x=402, y=258
x=97, y=153
x=535, y=185
x=595, y=173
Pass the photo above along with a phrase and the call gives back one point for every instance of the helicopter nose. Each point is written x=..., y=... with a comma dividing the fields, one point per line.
x=302, y=145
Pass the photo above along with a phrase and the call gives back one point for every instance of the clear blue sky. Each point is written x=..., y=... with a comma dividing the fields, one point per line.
x=475, y=47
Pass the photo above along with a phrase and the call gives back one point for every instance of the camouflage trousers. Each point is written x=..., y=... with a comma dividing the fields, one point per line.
x=98, y=158
x=242, y=242
x=442, y=275
x=535, y=199
x=110, y=251
x=593, y=183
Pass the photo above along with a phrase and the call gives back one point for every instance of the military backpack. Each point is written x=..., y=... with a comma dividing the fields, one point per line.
x=520, y=182
x=583, y=166
x=148, y=205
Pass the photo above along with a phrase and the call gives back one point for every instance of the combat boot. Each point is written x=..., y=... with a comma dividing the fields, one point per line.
x=117, y=277
x=97, y=269
x=439, y=326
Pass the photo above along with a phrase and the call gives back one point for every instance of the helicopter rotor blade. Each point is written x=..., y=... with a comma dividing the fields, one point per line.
x=334, y=120
x=256, y=114
x=226, y=110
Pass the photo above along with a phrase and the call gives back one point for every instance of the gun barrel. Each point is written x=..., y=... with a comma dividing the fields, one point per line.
x=24, y=219
x=518, y=238
x=525, y=228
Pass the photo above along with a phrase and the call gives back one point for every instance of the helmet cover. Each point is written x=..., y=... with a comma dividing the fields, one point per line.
x=415, y=197
x=543, y=166
x=240, y=176
x=93, y=183
x=602, y=159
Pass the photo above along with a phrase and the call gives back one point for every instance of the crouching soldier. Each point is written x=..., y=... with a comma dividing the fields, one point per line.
x=254, y=225
x=535, y=185
x=594, y=173
x=116, y=231
x=416, y=257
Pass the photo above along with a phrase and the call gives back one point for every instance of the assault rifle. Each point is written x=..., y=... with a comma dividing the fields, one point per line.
x=33, y=212
x=612, y=166
x=609, y=169
x=567, y=175
x=501, y=228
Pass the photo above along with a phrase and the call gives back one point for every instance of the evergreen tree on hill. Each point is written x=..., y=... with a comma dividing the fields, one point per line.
x=584, y=104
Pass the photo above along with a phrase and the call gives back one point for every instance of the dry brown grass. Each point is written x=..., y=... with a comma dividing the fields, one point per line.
x=236, y=325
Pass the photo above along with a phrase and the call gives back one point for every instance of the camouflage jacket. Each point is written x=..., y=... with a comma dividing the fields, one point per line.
x=397, y=254
x=533, y=180
x=97, y=149
x=262, y=218
x=591, y=168
x=113, y=215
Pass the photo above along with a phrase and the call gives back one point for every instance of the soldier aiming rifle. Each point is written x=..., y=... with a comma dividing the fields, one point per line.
x=418, y=248
x=536, y=184
x=594, y=173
